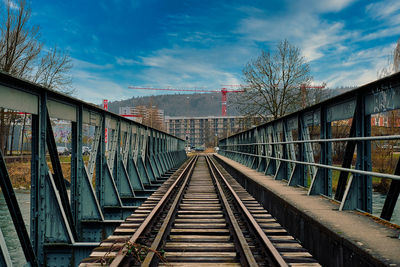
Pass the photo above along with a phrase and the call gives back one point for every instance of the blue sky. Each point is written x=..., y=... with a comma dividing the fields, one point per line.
x=116, y=43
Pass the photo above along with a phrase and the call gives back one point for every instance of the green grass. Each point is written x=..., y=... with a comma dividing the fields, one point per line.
x=67, y=159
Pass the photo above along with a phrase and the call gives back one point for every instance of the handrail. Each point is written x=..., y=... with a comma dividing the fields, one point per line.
x=370, y=138
x=273, y=149
x=376, y=174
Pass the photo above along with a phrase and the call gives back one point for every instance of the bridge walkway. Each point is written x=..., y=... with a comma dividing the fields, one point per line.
x=335, y=238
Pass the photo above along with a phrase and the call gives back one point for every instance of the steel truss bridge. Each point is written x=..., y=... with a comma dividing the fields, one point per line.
x=141, y=186
x=62, y=232
x=273, y=148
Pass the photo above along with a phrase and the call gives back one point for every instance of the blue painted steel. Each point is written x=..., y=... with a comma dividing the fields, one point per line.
x=392, y=196
x=15, y=213
x=38, y=176
x=360, y=189
x=261, y=148
x=322, y=180
x=135, y=161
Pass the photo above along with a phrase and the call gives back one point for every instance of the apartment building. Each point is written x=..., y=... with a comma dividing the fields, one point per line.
x=205, y=131
x=151, y=116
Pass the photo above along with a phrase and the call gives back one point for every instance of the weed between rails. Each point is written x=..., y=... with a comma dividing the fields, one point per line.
x=137, y=252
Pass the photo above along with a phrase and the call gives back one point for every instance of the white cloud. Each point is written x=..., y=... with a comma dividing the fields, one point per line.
x=250, y=10
x=370, y=55
x=200, y=58
x=385, y=32
x=355, y=77
x=329, y=37
x=384, y=9
x=94, y=87
x=337, y=53
x=11, y=4
x=69, y=26
x=177, y=68
x=80, y=64
x=201, y=37
x=361, y=68
x=386, y=14
x=92, y=82
x=186, y=68
x=328, y=6
x=95, y=38
x=306, y=30
x=125, y=61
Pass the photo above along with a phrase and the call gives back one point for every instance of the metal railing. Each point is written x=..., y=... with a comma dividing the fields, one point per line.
x=65, y=226
x=285, y=148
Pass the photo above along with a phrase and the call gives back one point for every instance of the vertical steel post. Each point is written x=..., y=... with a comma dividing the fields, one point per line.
x=271, y=163
x=322, y=181
x=282, y=166
x=302, y=180
x=359, y=194
x=326, y=152
x=364, y=159
x=100, y=162
x=347, y=159
x=263, y=148
x=77, y=171
x=38, y=176
x=392, y=196
x=117, y=156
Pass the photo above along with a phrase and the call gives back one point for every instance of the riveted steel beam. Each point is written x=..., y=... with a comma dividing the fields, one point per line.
x=275, y=152
x=63, y=231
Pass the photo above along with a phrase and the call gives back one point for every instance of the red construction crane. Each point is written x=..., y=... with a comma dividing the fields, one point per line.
x=223, y=91
x=130, y=115
x=304, y=88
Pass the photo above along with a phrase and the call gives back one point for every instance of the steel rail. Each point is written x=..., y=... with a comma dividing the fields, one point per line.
x=121, y=255
x=376, y=174
x=243, y=245
x=368, y=138
x=277, y=257
x=168, y=219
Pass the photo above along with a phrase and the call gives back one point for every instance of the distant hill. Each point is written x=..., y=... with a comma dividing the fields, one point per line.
x=331, y=92
x=207, y=104
x=196, y=105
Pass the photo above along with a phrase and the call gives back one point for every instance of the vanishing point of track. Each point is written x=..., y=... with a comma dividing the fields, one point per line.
x=200, y=217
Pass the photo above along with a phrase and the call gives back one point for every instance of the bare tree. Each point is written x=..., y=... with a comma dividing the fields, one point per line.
x=54, y=71
x=21, y=50
x=150, y=116
x=387, y=70
x=273, y=82
x=311, y=95
x=396, y=57
x=19, y=43
x=382, y=152
x=393, y=63
x=20, y=55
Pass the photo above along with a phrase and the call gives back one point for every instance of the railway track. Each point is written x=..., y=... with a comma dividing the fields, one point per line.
x=200, y=217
